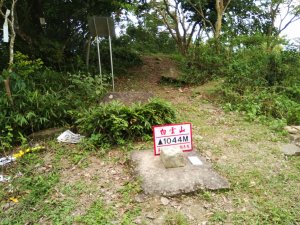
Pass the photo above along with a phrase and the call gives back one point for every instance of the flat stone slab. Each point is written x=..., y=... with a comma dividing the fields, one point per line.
x=290, y=149
x=157, y=180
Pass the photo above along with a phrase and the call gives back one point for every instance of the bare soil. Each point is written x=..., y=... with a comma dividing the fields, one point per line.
x=236, y=149
x=264, y=183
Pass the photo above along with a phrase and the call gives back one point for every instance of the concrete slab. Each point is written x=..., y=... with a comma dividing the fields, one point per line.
x=291, y=150
x=157, y=180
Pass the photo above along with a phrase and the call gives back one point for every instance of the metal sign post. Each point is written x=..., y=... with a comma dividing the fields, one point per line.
x=111, y=59
x=98, y=49
x=103, y=27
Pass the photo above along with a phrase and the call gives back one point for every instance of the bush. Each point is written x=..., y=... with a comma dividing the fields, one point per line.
x=150, y=39
x=264, y=84
x=204, y=63
x=124, y=57
x=264, y=103
x=42, y=98
x=115, y=123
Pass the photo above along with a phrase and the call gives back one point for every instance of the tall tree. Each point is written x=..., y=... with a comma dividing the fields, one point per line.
x=177, y=20
x=279, y=14
x=9, y=16
x=62, y=38
x=220, y=6
x=211, y=15
x=283, y=11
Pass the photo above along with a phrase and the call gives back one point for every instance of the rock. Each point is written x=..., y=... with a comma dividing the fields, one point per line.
x=295, y=137
x=172, y=157
x=290, y=149
x=140, y=198
x=164, y=200
x=157, y=180
x=138, y=220
x=292, y=129
x=150, y=216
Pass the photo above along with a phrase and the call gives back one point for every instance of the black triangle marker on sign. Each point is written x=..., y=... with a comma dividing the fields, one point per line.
x=160, y=142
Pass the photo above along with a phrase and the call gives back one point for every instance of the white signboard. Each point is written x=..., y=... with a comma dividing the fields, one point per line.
x=5, y=27
x=173, y=135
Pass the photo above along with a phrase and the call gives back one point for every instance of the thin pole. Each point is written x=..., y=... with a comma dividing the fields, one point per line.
x=98, y=49
x=88, y=53
x=111, y=59
x=99, y=59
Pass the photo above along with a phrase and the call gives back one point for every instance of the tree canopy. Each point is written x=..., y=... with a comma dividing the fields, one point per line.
x=64, y=33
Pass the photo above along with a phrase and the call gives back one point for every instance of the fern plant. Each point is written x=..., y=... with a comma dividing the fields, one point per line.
x=115, y=123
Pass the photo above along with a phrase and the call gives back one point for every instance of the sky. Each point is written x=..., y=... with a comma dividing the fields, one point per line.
x=292, y=31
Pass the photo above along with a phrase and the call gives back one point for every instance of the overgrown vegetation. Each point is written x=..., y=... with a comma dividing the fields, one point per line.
x=260, y=82
x=115, y=123
x=42, y=98
x=237, y=44
x=264, y=84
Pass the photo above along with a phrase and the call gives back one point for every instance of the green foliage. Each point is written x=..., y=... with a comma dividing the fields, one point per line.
x=204, y=63
x=6, y=137
x=59, y=43
x=264, y=104
x=176, y=218
x=31, y=189
x=123, y=55
x=23, y=66
x=115, y=123
x=85, y=88
x=97, y=214
x=42, y=99
x=129, y=190
x=147, y=39
x=219, y=217
x=264, y=84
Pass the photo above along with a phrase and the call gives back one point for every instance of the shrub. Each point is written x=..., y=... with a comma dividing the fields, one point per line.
x=42, y=98
x=266, y=103
x=123, y=57
x=115, y=123
x=204, y=63
x=264, y=84
x=149, y=39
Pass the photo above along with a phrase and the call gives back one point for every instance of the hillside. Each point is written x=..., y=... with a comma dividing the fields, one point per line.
x=65, y=185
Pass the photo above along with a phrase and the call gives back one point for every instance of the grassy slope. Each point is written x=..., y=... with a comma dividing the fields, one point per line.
x=64, y=185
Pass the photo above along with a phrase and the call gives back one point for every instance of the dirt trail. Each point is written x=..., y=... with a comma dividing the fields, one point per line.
x=147, y=77
x=246, y=153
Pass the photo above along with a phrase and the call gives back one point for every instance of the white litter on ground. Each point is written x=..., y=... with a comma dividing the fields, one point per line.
x=69, y=137
x=6, y=160
x=195, y=160
x=4, y=179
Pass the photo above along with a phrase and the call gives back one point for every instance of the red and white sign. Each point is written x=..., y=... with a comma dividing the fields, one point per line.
x=173, y=135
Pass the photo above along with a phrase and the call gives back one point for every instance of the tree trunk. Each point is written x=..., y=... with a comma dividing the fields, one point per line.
x=7, y=89
x=218, y=24
x=11, y=24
